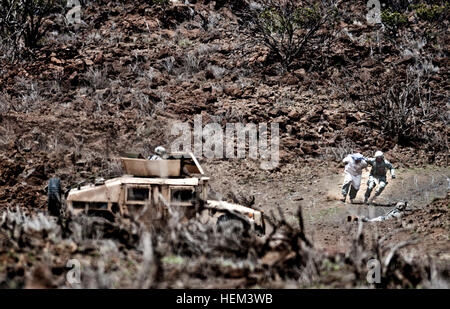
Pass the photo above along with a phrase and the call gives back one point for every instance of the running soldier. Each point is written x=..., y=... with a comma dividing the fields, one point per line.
x=378, y=174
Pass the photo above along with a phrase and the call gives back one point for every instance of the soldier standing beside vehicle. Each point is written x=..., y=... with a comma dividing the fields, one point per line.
x=355, y=163
x=378, y=173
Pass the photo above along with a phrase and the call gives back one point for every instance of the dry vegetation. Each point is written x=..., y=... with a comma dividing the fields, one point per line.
x=36, y=250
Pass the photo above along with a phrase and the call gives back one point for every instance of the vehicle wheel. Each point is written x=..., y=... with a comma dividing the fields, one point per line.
x=54, y=196
x=226, y=222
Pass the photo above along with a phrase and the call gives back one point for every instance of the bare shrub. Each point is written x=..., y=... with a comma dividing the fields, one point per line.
x=24, y=20
x=97, y=79
x=148, y=269
x=338, y=153
x=28, y=229
x=395, y=111
x=8, y=51
x=212, y=21
x=115, y=37
x=149, y=74
x=94, y=37
x=142, y=103
x=217, y=72
x=5, y=103
x=287, y=26
x=406, y=109
x=192, y=63
x=99, y=100
x=206, y=49
x=29, y=97
x=113, y=168
x=60, y=38
x=30, y=100
x=168, y=64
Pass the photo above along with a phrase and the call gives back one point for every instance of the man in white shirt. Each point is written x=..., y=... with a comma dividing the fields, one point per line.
x=355, y=163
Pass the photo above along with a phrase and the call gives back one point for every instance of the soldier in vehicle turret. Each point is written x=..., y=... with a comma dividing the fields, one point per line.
x=160, y=154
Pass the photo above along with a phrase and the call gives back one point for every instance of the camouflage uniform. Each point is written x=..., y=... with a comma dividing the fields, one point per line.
x=397, y=212
x=154, y=157
x=160, y=153
x=378, y=173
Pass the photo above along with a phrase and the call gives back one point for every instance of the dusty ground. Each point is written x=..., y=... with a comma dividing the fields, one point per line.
x=317, y=191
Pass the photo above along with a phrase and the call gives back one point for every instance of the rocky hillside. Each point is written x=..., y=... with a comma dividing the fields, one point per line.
x=118, y=80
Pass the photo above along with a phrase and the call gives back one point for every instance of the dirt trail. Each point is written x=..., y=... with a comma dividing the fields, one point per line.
x=327, y=215
x=318, y=194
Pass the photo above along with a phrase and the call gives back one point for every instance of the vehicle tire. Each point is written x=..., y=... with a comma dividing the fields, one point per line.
x=222, y=219
x=54, y=196
x=226, y=222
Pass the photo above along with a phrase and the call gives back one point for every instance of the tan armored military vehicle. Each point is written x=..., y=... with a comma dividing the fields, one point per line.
x=177, y=182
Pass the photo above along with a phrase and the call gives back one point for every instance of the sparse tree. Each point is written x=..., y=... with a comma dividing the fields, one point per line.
x=406, y=109
x=286, y=26
x=23, y=19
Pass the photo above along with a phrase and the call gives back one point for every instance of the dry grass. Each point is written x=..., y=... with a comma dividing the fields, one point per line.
x=130, y=254
x=338, y=153
x=97, y=79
